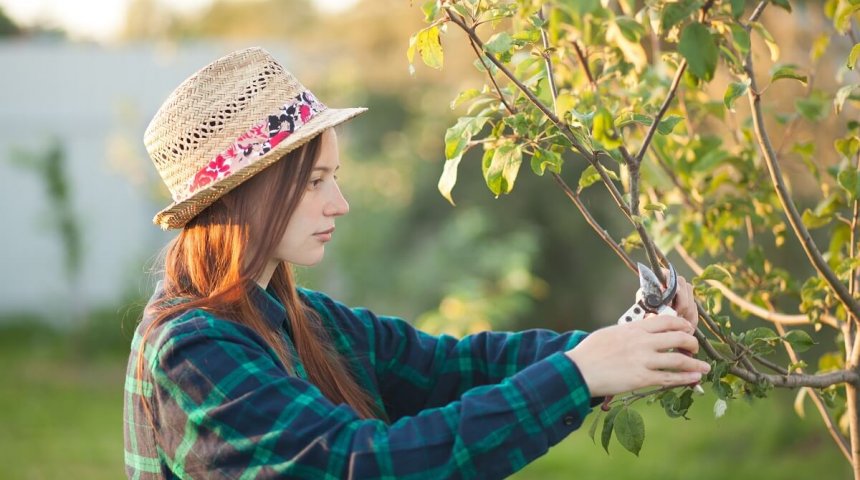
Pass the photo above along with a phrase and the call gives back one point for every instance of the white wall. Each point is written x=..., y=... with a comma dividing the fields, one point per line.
x=97, y=101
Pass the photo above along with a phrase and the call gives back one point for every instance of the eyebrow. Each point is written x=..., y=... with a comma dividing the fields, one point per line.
x=326, y=169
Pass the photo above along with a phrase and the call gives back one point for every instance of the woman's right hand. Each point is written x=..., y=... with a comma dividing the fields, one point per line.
x=627, y=357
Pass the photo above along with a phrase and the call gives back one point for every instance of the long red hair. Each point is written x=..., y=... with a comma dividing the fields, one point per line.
x=215, y=256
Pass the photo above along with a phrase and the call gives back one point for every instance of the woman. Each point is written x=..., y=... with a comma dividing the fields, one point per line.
x=237, y=372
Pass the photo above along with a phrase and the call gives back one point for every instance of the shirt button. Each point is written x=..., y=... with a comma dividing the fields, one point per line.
x=569, y=420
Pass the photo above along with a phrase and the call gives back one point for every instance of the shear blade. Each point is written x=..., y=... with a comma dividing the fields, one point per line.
x=652, y=288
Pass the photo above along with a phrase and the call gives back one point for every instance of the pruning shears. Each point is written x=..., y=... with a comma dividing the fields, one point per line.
x=652, y=298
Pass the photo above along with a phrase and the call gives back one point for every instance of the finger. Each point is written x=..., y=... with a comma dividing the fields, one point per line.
x=694, y=312
x=675, y=379
x=677, y=362
x=685, y=303
x=675, y=340
x=664, y=323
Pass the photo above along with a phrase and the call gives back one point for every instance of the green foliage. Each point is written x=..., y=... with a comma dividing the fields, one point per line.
x=583, y=83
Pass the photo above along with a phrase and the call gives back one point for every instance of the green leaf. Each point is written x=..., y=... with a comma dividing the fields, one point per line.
x=740, y=38
x=853, y=56
x=761, y=340
x=630, y=28
x=667, y=124
x=603, y=130
x=430, y=9
x=504, y=168
x=842, y=94
x=456, y=140
x=626, y=118
x=813, y=108
x=737, y=8
x=787, y=71
x=546, y=159
x=593, y=428
x=716, y=272
x=813, y=220
x=735, y=90
x=768, y=40
x=797, y=366
x=458, y=136
x=848, y=180
x=673, y=13
x=499, y=43
x=782, y=4
x=630, y=430
x=590, y=175
x=465, y=96
x=700, y=50
x=800, y=340
x=608, y=425
x=656, y=207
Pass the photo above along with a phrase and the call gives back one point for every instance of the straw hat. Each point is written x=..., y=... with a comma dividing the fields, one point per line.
x=227, y=122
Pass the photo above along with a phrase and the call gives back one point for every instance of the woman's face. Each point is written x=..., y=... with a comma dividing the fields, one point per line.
x=312, y=224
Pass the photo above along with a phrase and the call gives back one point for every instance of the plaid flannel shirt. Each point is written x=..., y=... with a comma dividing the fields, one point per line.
x=224, y=406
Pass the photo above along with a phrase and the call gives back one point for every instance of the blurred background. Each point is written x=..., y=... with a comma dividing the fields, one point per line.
x=78, y=251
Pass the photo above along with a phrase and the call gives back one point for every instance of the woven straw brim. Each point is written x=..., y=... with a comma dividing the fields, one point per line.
x=180, y=213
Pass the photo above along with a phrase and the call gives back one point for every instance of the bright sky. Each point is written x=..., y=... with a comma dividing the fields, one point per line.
x=102, y=19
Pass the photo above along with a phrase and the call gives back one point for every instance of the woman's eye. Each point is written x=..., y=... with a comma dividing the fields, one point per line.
x=315, y=183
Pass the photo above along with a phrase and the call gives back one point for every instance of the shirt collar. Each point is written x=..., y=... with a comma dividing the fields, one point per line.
x=264, y=300
x=270, y=307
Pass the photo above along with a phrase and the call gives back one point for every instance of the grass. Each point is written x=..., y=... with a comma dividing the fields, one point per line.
x=61, y=417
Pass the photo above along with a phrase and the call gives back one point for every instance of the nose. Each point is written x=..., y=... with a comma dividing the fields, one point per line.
x=337, y=205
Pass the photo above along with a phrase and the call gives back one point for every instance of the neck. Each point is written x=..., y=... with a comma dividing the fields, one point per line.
x=266, y=274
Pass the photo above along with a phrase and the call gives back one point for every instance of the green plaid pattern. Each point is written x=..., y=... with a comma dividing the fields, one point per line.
x=225, y=407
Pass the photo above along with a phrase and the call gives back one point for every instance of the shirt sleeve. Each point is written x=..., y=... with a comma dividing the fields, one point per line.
x=416, y=370
x=227, y=408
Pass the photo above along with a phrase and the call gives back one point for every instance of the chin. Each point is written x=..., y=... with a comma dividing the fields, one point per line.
x=310, y=260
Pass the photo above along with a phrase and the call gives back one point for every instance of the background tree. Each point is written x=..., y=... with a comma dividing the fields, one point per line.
x=645, y=95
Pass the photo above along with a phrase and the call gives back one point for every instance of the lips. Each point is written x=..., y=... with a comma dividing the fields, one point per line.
x=325, y=232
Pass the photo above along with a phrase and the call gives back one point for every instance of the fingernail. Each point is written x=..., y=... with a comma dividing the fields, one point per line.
x=695, y=376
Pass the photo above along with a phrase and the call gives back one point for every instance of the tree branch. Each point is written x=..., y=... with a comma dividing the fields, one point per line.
x=792, y=380
x=663, y=109
x=785, y=200
x=744, y=304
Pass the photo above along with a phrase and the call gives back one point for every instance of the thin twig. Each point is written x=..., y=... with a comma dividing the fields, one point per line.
x=583, y=60
x=837, y=436
x=601, y=232
x=663, y=109
x=492, y=78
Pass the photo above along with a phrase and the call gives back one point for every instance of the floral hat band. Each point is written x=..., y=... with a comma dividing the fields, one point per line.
x=228, y=122
x=256, y=142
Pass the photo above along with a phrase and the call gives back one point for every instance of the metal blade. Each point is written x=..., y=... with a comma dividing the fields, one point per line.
x=652, y=290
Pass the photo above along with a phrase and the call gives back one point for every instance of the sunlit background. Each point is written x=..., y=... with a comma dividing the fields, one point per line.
x=81, y=80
